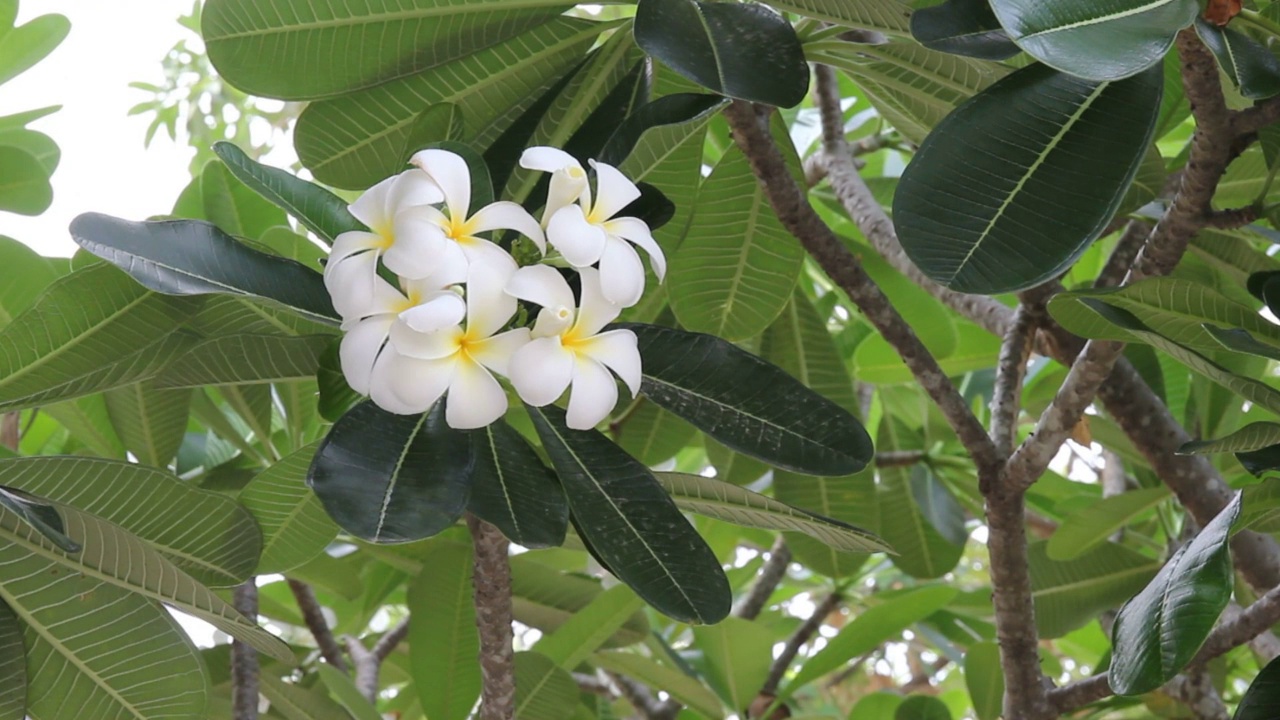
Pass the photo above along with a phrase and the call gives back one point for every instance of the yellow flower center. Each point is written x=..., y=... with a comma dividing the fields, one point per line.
x=460, y=230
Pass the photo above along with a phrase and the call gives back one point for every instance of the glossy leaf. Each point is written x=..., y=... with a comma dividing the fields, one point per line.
x=717, y=388
x=295, y=527
x=1254, y=436
x=1262, y=697
x=743, y=51
x=319, y=210
x=1056, y=154
x=512, y=489
x=246, y=358
x=650, y=546
x=1090, y=526
x=653, y=435
x=984, y=679
x=335, y=396
x=963, y=27
x=1070, y=594
x=886, y=16
x=13, y=667
x=393, y=478
x=1096, y=40
x=444, y=647
x=187, y=257
x=150, y=420
x=1249, y=64
x=1160, y=629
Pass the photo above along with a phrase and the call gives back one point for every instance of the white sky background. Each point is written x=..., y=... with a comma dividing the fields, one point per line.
x=104, y=166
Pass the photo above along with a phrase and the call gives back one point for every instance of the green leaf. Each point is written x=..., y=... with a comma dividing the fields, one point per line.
x=590, y=627
x=870, y=629
x=737, y=266
x=879, y=705
x=1249, y=64
x=335, y=396
x=39, y=516
x=319, y=210
x=120, y=559
x=937, y=505
x=1262, y=697
x=1241, y=341
x=25, y=187
x=680, y=686
x=294, y=51
x=188, y=257
x=444, y=647
x=222, y=549
x=235, y=207
x=25, y=45
x=393, y=478
x=922, y=551
x=1070, y=594
x=922, y=707
x=715, y=386
x=294, y=525
x=512, y=489
x=295, y=702
x=723, y=501
x=851, y=499
x=799, y=342
x=1160, y=629
x=650, y=546
x=963, y=27
x=1090, y=526
x=246, y=358
x=150, y=420
x=743, y=51
x=91, y=330
x=888, y=16
x=87, y=420
x=13, y=667
x=984, y=680
x=355, y=140
x=342, y=689
x=1094, y=39
x=1056, y=154
x=738, y=656
x=1254, y=436
x=544, y=691
x=26, y=276
x=545, y=598
x=652, y=435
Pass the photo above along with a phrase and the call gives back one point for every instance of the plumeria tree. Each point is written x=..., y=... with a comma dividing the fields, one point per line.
x=666, y=359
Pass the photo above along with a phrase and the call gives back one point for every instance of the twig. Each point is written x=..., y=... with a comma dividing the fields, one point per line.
x=1196, y=691
x=10, y=432
x=367, y=667
x=388, y=642
x=899, y=458
x=244, y=659
x=771, y=574
x=798, y=639
x=313, y=616
x=642, y=699
x=492, y=580
x=1122, y=256
x=592, y=684
x=1010, y=368
x=1232, y=218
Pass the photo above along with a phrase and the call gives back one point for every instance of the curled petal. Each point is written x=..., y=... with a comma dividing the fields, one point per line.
x=580, y=242
x=567, y=186
x=621, y=273
x=553, y=321
x=439, y=311
x=412, y=188
x=541, y=285
x=505, y=215
x=547, y=159
x=593, y=396
x=411, y=385
x=489, y=307
x=451, y=173
x=637, y=231
x=613, y=191
x=594, y=310
x=356, y=289
x=475, y=397
x=617, y=351
x=495, y=352
x=541, y=370
x=359, y=350
x=371, y=207
x=425, y=345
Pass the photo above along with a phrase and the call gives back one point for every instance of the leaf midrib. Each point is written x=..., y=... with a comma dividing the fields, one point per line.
x=474, y=7
x=1097, y=20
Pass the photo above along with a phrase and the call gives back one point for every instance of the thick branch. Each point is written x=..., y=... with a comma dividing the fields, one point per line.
x=313, y=616
x=771, y=574
x=1122, y=256
x=244, y=659
x=493, y=617
x=802, y=635
x=1011, y=366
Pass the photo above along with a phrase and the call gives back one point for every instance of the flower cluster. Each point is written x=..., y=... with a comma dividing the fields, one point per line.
x=445, y=325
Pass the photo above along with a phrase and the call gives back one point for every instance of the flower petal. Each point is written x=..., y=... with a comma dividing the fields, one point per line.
x=616, y=350
x=451, y=173
x=489, y=307
x=542, y=285
x=354, y=285
x=580, y=242
x=451, y=268
x=417, y=249
x=425, y=345
x=371, y=207
x=406, y=385
x=505, y=215
x=360, y=348
x=547, y=159
x=541, y=370
x=412, y=188
x=566, y=186
x=621, y=273
x=593, y=396
x=495, y=352
x=475, y=397
x=613, y=191
x=637, y=231
x=437, y=312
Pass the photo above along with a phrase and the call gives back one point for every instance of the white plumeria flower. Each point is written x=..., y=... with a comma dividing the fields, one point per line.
x=568, y=348
x=456, y=229
x=352, y=268
x=419, y=367
x=587, y=233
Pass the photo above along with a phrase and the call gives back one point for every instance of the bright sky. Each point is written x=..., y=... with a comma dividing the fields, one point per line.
x=104, y=165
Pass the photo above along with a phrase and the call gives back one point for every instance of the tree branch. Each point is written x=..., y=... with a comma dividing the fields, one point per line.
x=492, y=580
x=244, y=659
x=1122, y=256
x=1011, y=366
x=798, y=639
x=367, y=667
x=771, y=574
x=1196, y=691
x=313, y=616
x=388, y=643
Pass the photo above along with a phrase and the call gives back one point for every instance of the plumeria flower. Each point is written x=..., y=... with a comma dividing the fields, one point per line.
x=419, y=367
x=568, y=348
x=588, y=232
x=456, y=229
x=352, y=269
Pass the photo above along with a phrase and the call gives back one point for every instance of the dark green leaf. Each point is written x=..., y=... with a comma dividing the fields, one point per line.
x=650, y=434
x=235, y=207
x=963, y=27
x=393, y=478
x=743, y=51
x=188, y=257
x=1260, y=461
x=512, y=489
x=13, y=667
x=632, y=524
x=1096, y=39
x=667, y=110
x=322, y=212
x=1055, y=154
x=42, y=518
x=1263, y=696
x=748, y=404
x=1248, y=63
x=336, y=396
x=1160, y=629
x=937, y=505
